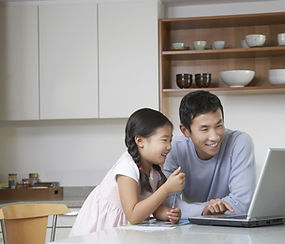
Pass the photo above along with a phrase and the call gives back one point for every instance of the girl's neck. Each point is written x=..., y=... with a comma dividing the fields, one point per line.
x=146, y=168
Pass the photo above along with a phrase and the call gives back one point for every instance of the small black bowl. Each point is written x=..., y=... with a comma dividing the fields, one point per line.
x=203, y=80
x=184, y=80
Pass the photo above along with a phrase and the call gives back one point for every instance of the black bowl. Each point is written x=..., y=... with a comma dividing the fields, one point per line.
x=183, y=80
x=203, y=80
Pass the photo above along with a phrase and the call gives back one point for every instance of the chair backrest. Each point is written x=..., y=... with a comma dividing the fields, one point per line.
x=27, y=223
x=1, y=214
x=3, y=226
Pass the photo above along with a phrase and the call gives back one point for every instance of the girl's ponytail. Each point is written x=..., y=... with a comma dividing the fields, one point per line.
x=163, y=177
x=133, y=151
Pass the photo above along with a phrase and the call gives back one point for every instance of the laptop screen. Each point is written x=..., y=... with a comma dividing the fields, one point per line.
x=269, y=196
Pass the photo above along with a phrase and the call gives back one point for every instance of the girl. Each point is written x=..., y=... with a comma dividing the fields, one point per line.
x=133, y=188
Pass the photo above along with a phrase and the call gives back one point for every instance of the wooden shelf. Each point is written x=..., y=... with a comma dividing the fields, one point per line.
x=257, y=89
x=225, y=21
x=232, y=29
x=225, y=53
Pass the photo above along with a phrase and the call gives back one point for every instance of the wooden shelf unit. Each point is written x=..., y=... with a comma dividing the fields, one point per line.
x=232, y=29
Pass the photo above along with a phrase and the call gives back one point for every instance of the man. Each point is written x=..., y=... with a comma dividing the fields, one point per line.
x=218, y=163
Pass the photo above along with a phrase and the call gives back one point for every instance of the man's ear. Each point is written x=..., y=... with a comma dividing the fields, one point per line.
x=139, y=141
x=184, y=130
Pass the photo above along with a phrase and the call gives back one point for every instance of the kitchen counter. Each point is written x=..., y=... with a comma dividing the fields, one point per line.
x=73, y=197
x=185, y=234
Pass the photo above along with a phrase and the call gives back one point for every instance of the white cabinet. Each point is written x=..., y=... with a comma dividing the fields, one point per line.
x=128, y=57
x=68, y=61
x=59, y=60
x=19, y=87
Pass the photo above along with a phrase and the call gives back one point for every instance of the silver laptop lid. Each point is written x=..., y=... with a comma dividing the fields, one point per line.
x=269, y=196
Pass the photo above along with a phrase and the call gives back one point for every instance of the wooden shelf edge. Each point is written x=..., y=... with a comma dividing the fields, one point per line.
x=232, y=90
x=263, y=50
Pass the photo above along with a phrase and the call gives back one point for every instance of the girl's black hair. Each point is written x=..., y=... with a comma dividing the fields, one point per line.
x=144, y=122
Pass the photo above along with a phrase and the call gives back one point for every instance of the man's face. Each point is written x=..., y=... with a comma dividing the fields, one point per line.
x=207, y=133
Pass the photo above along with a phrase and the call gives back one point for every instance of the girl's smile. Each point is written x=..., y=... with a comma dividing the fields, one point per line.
x=154, y=149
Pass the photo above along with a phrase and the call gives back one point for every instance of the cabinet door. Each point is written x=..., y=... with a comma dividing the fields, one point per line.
x=19, y=94
x=128, y=57
x=68, y=61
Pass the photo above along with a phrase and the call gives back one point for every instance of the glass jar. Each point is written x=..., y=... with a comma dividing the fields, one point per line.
x=33, y=178
x=12, y=181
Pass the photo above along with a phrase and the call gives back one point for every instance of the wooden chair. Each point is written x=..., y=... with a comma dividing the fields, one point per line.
x=27, y=223
x=3, y=226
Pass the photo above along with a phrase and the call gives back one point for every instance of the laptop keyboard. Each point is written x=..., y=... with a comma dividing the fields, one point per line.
x=237, y=216
x=226, y=216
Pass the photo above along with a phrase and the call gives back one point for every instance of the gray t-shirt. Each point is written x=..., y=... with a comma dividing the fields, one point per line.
x=229, y=175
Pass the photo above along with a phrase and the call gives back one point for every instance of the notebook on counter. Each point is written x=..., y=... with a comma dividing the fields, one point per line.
x=268, y=203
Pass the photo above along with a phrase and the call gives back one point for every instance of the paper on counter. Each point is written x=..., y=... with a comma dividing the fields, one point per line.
x=154, y=225
x=146, y=228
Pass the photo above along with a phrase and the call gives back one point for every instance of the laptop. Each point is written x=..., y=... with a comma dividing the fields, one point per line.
x=268, y=202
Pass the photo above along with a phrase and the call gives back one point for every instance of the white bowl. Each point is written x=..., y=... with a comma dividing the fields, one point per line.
x=281, y=39
x=255, y=40
x=177, y=45
x=200, y=45
x=237, y=78
x=218, y=45
x=276, y=76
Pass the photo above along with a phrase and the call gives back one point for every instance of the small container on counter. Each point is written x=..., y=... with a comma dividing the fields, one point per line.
x=12, y=181
x=24, y=183
x=33, y=178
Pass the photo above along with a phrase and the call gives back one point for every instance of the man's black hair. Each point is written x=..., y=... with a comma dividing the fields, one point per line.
x=196, y=103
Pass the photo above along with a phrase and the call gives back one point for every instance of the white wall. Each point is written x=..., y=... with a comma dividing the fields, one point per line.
x=262, y=116
x=73, y=152
x=79, y=152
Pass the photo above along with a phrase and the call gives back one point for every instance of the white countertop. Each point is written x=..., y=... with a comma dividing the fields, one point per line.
x=185, y=234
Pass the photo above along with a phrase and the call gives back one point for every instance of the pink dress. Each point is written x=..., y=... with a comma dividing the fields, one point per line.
x=102, y=209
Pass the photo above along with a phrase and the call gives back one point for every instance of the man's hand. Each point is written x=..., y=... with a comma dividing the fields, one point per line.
x=217, y=206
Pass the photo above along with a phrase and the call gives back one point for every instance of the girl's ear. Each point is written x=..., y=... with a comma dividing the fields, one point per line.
x=139, y=141
x=184, y=131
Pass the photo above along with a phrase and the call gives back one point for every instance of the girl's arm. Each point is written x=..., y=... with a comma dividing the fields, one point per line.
x=166, y=213
x=163, y=212
x=137, y=211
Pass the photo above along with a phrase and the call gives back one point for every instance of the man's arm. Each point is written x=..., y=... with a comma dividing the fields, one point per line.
x=241, y=181
x=242, y=175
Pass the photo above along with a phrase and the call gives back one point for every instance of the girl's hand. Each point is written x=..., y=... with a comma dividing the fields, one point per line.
x=175, y=181
x=174, y=215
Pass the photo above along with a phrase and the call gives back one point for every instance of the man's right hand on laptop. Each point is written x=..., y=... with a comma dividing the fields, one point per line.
x=217, y=206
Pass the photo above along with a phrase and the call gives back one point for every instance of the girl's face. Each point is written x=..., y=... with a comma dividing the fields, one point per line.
x=153, y=150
